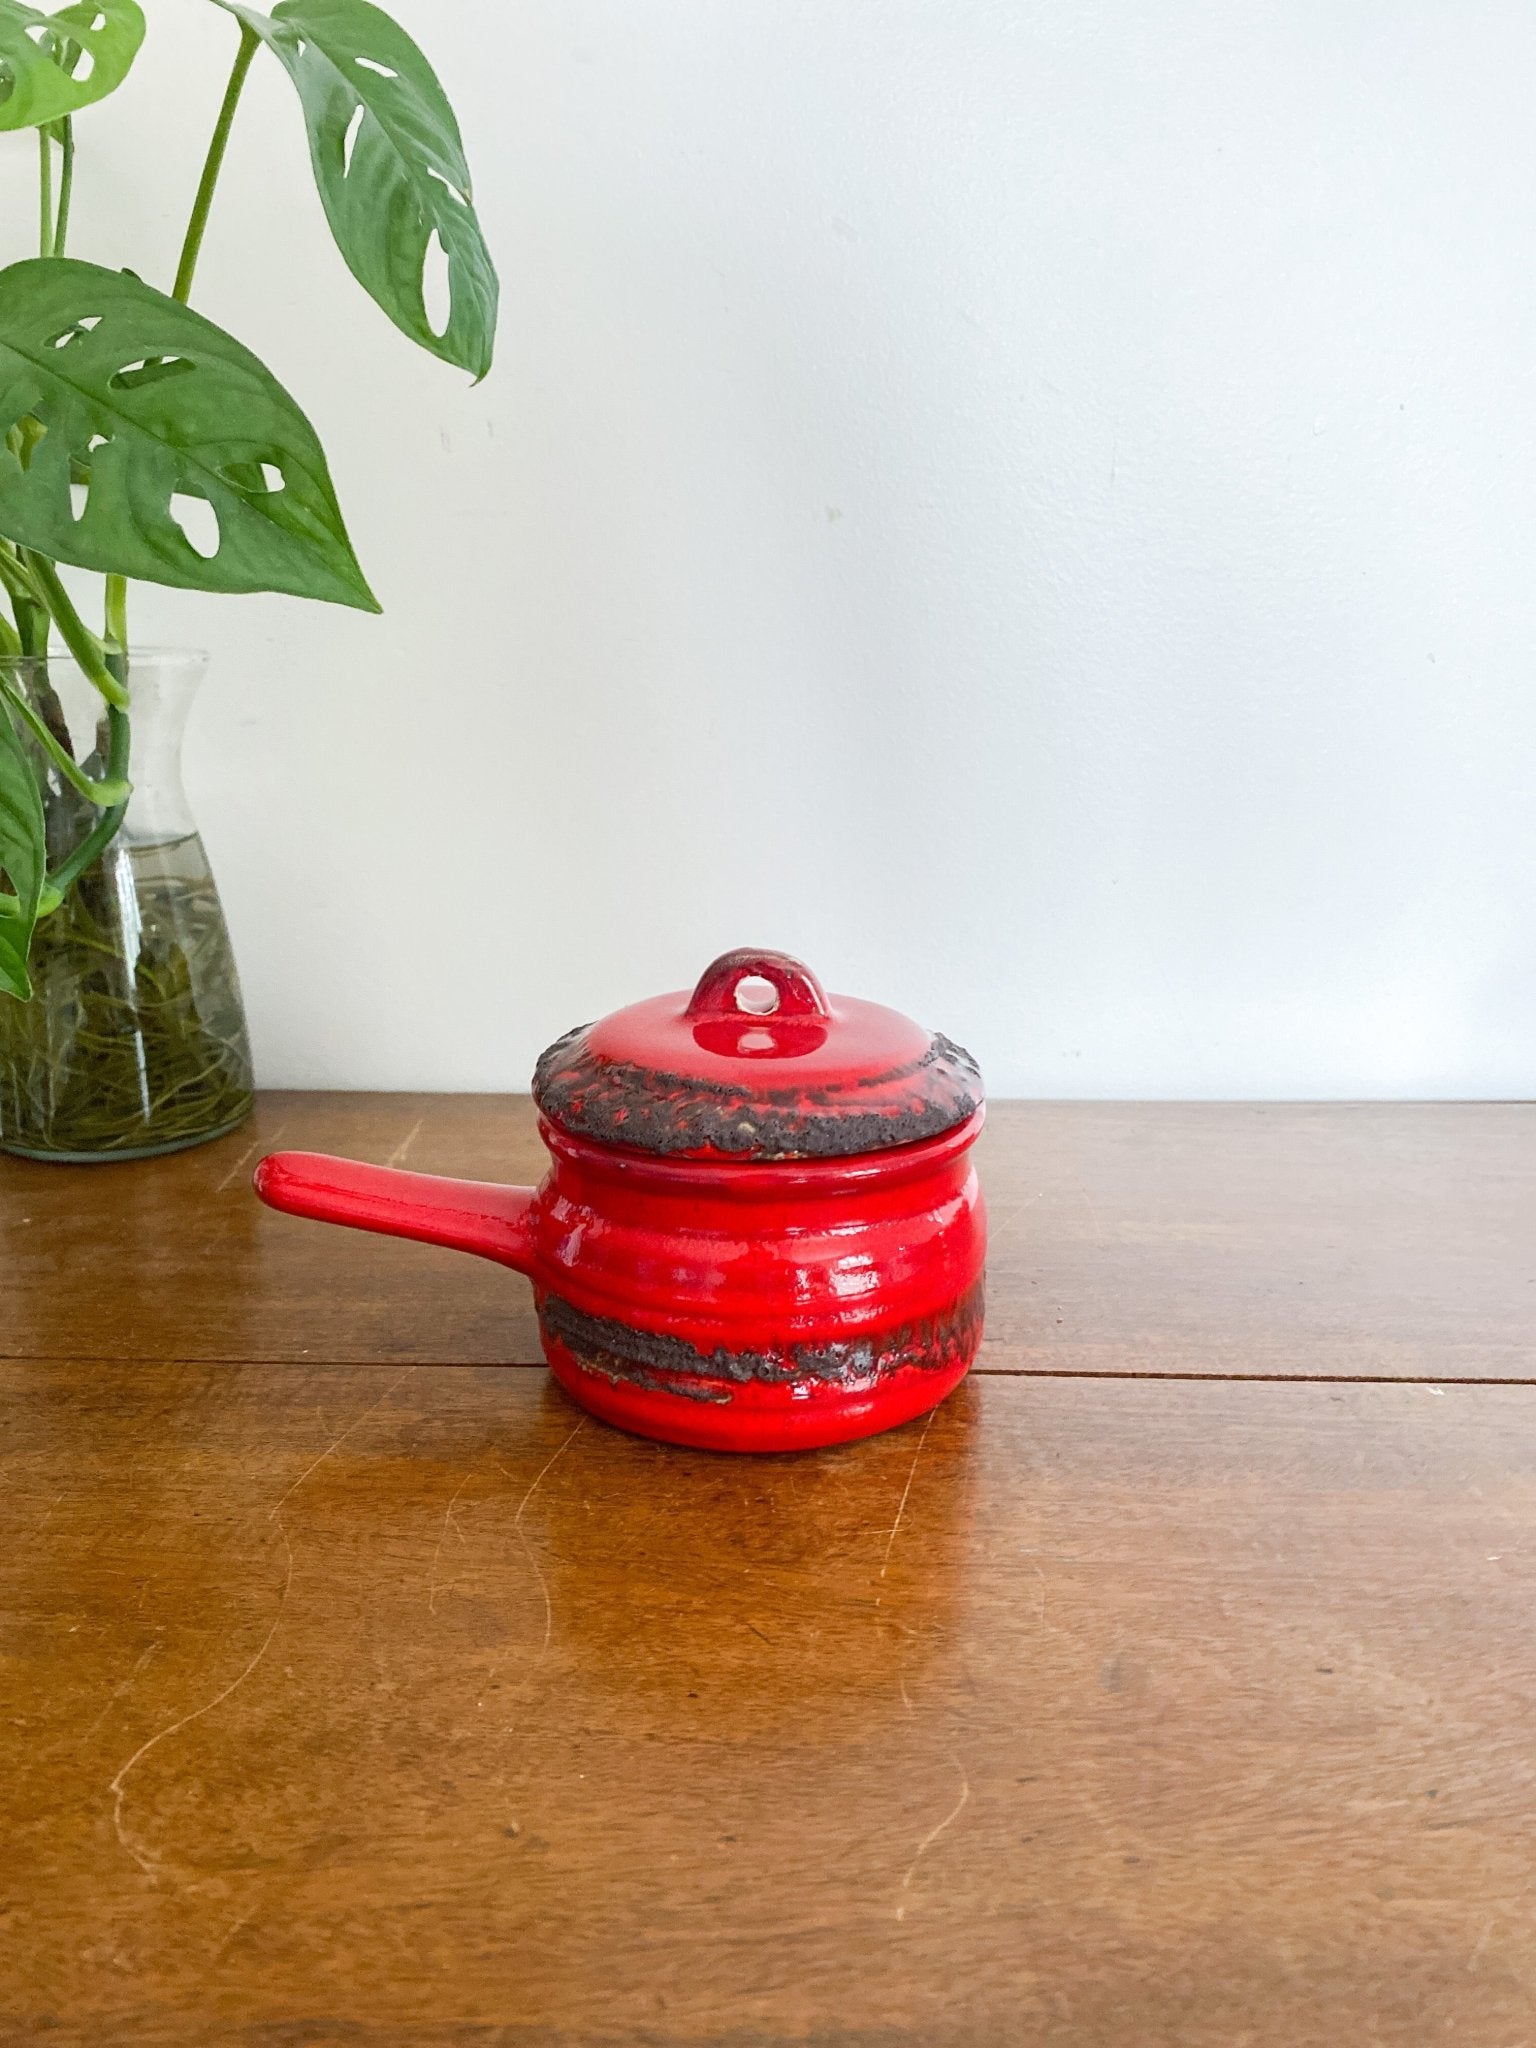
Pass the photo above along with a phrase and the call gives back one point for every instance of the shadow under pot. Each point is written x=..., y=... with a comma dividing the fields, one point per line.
x=761, y=1228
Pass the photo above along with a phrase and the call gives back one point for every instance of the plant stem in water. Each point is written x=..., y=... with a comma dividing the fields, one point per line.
x=102, y=833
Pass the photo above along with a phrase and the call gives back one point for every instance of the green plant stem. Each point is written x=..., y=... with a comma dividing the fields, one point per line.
x=212, y=164
x=116, y=600
x=32, y=623
x=66, y=129
x=106, y=795
x=104, y=831
x=78, y=637
x=16, y=577
x=44, y=194
x=26, y=602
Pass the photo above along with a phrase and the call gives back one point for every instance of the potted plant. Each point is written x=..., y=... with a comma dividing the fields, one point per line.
x=140, y=440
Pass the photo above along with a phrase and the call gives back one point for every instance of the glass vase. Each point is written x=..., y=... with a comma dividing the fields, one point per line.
x=134, y=1042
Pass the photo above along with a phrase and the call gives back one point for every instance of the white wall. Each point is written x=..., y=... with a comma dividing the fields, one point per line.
x=1030, y=504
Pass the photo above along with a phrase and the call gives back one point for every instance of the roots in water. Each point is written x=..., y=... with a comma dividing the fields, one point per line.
x=134, y=1041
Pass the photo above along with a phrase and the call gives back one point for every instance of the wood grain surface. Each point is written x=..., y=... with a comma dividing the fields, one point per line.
x=361, y=1705
x=1355, y=1241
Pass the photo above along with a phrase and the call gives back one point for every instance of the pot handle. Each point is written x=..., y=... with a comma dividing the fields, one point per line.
x=799, y=993
x=468, y=1215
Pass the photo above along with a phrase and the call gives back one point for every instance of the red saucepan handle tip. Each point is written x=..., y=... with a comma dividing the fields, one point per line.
x=272, y=1178
x=477, y=1216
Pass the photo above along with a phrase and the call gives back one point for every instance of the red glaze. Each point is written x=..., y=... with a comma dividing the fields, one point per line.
x=736, y=1304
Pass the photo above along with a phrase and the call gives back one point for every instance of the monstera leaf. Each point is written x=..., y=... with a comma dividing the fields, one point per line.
x=22, y=855
x=113, y=394
x=44, y=73
x=389, y=164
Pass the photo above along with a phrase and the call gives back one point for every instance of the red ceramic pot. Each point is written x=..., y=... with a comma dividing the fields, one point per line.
x=761, y=1228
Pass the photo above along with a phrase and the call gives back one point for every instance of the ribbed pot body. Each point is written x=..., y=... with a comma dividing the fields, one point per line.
x=759, y=1306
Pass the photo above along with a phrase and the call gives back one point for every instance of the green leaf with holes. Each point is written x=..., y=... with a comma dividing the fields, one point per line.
x=389, y=164
x=53, y=63
x=23, y=856
x=111, y=388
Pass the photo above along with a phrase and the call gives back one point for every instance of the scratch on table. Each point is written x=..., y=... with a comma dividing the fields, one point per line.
x=933, y=1833
x=123, y=1685
x=901, y=1505
x=1042, y=1595
x=949, y=1819
x=999, y=1219
x=336, y=1446
x=244, y=1921
x=397, y=1157
x=517, y=1524
x=433, y=1588
x=151, y=1864
x=261, y=1145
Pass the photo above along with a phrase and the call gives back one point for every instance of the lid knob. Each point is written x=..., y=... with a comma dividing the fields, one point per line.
x=720, y=990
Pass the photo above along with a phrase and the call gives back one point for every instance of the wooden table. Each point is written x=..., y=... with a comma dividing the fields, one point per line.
x=1174, y=1684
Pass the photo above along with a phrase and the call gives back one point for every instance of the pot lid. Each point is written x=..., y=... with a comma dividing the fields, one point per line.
x=759, y=1062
